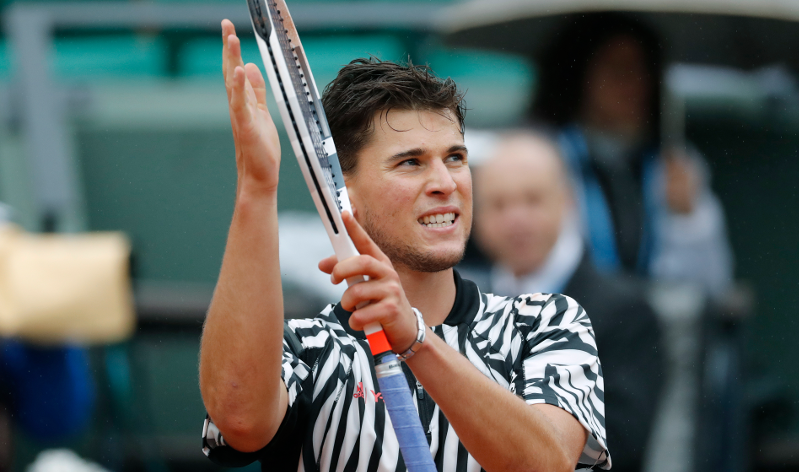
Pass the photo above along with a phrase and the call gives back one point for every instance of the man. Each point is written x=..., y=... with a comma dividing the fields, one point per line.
x=305, y=397
x=525, y=221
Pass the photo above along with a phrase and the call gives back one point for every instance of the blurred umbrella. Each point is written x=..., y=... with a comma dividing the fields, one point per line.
x=738, y=33
x=742, y=34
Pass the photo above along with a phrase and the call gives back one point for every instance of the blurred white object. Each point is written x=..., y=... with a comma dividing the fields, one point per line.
x=62, y=460
x=480, y=144
x=303, y=243
x=672, y=442
x=707, y=82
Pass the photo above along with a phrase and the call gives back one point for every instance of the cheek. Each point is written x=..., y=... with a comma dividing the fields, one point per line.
x=399, y=198
x=464, y=183
x=553, y=220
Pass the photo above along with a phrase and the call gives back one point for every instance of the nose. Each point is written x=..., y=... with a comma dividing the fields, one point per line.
x=440, y=181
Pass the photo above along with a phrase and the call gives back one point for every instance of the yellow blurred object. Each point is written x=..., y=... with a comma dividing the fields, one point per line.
x=56, y=287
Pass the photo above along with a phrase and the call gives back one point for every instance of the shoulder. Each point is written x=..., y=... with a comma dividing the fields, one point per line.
x=533, y=312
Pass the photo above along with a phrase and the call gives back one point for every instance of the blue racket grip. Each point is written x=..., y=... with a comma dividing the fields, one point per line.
x=404, y=417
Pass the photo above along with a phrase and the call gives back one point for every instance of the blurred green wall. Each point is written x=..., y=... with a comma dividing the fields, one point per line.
x=755, y=165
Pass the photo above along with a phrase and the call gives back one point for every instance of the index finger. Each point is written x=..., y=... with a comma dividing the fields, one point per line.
x=363, y=243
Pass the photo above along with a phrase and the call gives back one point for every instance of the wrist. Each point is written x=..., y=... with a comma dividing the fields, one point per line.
x=424, y=351
x=252, y=189
x=254, y=195
x=253, y=205
x=418, y=342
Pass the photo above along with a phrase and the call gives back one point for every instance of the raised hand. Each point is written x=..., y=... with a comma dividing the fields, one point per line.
x=254, y=132
x=387, y=302
x=682, y=182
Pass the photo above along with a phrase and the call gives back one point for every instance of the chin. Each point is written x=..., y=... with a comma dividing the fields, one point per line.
x=429, y=262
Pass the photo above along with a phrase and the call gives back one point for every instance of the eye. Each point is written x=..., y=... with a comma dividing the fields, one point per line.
x=457, y=158
x=408, y=162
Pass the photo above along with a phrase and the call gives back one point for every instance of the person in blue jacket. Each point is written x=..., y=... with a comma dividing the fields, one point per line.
x=645, y=207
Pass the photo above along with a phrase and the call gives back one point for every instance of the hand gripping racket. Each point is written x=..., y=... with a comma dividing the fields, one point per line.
x=301, y=109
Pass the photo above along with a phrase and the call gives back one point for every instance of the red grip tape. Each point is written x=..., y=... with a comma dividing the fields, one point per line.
x=378, y=342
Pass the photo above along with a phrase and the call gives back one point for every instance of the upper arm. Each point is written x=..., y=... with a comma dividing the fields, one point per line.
x=240, y=447
x=561, y=369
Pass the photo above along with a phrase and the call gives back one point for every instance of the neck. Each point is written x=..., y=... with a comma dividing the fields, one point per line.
x=432, y=293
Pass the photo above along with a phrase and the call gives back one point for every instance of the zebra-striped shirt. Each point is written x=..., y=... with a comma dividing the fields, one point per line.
x=540, y=347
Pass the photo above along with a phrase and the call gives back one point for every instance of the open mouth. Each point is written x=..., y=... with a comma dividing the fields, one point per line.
x=441, y=220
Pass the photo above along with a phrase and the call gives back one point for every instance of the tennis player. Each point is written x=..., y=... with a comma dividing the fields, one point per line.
x=500, y=383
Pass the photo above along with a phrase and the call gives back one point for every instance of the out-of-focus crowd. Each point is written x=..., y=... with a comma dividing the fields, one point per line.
x=587, y=200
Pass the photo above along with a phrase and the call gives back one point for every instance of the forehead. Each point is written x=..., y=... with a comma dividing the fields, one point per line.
x=520, y=164
x=396, y=131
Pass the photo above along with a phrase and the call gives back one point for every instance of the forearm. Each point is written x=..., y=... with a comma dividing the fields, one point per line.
x=500, y=430
x=241, y=350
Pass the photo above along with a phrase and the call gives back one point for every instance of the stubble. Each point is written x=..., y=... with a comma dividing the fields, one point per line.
x=405, y=255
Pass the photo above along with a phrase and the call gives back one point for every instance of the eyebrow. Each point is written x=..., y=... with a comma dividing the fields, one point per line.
x=416, y=152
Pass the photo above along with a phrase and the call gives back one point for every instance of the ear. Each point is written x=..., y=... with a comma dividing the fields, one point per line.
x=352, y=192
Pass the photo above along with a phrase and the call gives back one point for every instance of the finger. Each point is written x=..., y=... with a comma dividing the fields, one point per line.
x=378, y=311
x=359, y=266
x=368, y=291
x=227, y=30
x=239, y=110
x=327, y=264
x=400, y=330
x=233, y=59
x=363, y=243
x=258, y=84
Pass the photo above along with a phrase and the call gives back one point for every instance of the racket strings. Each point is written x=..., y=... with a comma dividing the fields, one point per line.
x=309, y=113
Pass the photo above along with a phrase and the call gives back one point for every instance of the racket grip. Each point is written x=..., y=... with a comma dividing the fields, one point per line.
x=404, y=417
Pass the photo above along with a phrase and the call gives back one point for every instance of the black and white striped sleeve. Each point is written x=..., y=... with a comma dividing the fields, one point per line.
x=561, y=367
x=295, y=374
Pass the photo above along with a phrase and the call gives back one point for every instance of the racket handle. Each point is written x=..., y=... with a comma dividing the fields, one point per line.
x=404, y=417
x=397, y=398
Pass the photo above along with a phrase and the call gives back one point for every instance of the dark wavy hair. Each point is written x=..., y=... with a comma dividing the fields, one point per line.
x=365, y=86
x=564, y=65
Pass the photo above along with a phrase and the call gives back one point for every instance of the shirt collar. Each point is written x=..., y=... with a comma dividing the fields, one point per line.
x=464, y=310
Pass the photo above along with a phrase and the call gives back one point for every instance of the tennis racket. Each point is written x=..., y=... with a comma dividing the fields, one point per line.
x=301, y=109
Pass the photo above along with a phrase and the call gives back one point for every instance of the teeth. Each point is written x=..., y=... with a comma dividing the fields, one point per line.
x=438, y=221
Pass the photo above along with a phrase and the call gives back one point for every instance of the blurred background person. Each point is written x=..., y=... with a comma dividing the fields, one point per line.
x=526, y=222
x=646, y=205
